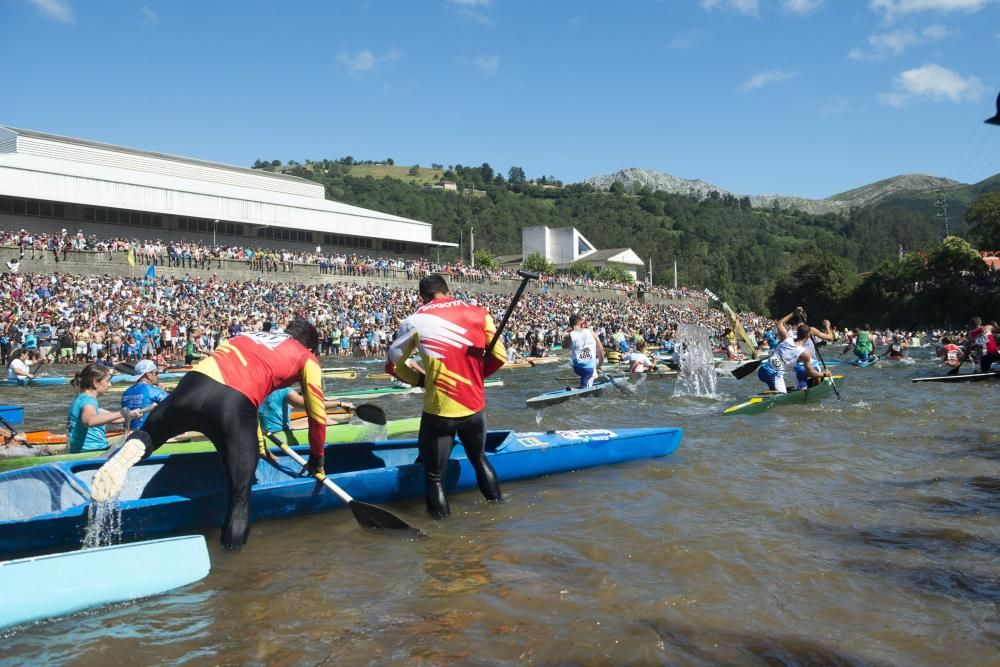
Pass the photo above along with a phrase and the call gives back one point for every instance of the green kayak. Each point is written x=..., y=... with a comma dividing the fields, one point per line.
x=340, y=433
x=767, y=400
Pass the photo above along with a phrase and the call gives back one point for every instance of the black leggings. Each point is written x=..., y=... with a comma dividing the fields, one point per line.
x=435, y=441
x=229, y=420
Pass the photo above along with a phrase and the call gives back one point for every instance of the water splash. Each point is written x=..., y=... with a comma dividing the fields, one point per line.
x=104, y=524
x=696, y=375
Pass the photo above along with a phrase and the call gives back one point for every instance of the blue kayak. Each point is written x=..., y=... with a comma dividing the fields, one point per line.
x=870, y=362
x=51, y=586
x=562, y=395
x=50, y=380
x=44, y=507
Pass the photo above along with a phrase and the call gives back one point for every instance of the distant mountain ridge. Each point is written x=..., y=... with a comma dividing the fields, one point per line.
x=867, y=195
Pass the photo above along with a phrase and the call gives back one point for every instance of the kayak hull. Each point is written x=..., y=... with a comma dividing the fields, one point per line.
x=563, y=395
x=54, y=380
x=962, y=377
x=756, y=405
x=171, y=494
x=51, y=586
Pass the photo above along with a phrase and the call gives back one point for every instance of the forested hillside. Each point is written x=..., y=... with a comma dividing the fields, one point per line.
x=719, y=242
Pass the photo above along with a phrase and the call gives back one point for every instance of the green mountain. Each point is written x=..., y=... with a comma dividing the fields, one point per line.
x=719, y=241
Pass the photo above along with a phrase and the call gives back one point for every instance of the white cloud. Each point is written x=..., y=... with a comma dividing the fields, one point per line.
x=894, y=8
x=801, y=6
x=687, y=40
x=149, y=16
x=894, y=43
x=365, y=61
x=762, y=79
x=835, y=105
x=57, y=10
x=747, y=7
x=488, y=64
x=470, y=10
x=934, y=82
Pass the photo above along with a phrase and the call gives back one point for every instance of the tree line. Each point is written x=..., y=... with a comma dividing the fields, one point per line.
x=745, y=255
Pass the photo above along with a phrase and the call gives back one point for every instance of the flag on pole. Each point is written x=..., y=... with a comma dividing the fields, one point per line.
x=151, y=272
x=131, y=257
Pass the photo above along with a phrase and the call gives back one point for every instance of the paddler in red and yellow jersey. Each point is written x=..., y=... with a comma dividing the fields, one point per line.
x=220, y=398
x=451, y=337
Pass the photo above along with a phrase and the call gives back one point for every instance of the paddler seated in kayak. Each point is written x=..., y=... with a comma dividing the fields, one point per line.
x=586, y=351
x=863, y=345
x=19, y=367
x=86, y=418
x=144, y=393
x=897, y=347
x=803, y=377
x=639, y=361
x=950, y=354
x=790, y=351
x=220, y=397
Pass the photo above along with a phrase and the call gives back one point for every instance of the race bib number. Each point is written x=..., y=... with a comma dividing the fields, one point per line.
x=776, y=364
x=584, y=354
x=267, y=339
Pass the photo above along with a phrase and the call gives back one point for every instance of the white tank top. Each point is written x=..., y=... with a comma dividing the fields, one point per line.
x=584, y=348
x=786, y=354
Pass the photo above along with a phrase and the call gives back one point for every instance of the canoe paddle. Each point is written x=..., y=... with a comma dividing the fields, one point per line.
x=746, y=369
x=525, y=277
x=31, y=378
x=367, y=515
x=802, y=314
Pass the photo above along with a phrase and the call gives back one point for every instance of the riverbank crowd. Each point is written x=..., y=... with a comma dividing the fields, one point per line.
x=75, y=319
x=27, y=246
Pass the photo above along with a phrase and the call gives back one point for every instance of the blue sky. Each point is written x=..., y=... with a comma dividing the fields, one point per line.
x=798, y=97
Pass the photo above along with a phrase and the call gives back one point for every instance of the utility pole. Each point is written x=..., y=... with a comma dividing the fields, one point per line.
x=650, y=281
x=675, y=274
x=942, y=215
x=472, y=246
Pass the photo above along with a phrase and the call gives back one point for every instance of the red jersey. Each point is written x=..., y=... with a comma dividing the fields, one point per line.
x=255, y=364
x=451, y=336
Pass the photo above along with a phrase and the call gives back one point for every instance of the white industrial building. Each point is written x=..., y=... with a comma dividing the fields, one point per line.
x=564, y=245
x=51, y=182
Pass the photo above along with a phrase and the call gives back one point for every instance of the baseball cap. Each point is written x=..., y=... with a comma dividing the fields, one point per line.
x=145, y=366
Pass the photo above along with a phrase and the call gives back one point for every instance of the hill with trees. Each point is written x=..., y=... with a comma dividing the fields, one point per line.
x=719, y=241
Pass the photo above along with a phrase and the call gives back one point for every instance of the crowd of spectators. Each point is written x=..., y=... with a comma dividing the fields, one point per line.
x=189, y=254
x=71, y=318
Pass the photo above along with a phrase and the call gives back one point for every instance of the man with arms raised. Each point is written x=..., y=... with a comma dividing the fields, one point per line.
x=220, y=398
x=451, y=336
x=586, y=351
x=790, y=351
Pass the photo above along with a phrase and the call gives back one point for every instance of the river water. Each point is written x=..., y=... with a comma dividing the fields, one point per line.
x=862, y=531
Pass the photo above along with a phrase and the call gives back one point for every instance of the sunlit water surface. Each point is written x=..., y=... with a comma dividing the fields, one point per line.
x=860, y=531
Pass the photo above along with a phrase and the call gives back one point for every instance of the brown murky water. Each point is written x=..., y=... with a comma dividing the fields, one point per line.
x=862, y=531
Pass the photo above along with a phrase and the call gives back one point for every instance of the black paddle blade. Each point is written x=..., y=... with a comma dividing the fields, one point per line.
x=124, y=368
x=376, y=518
x=746, y=369
x=528, y=274
x=372, y=414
